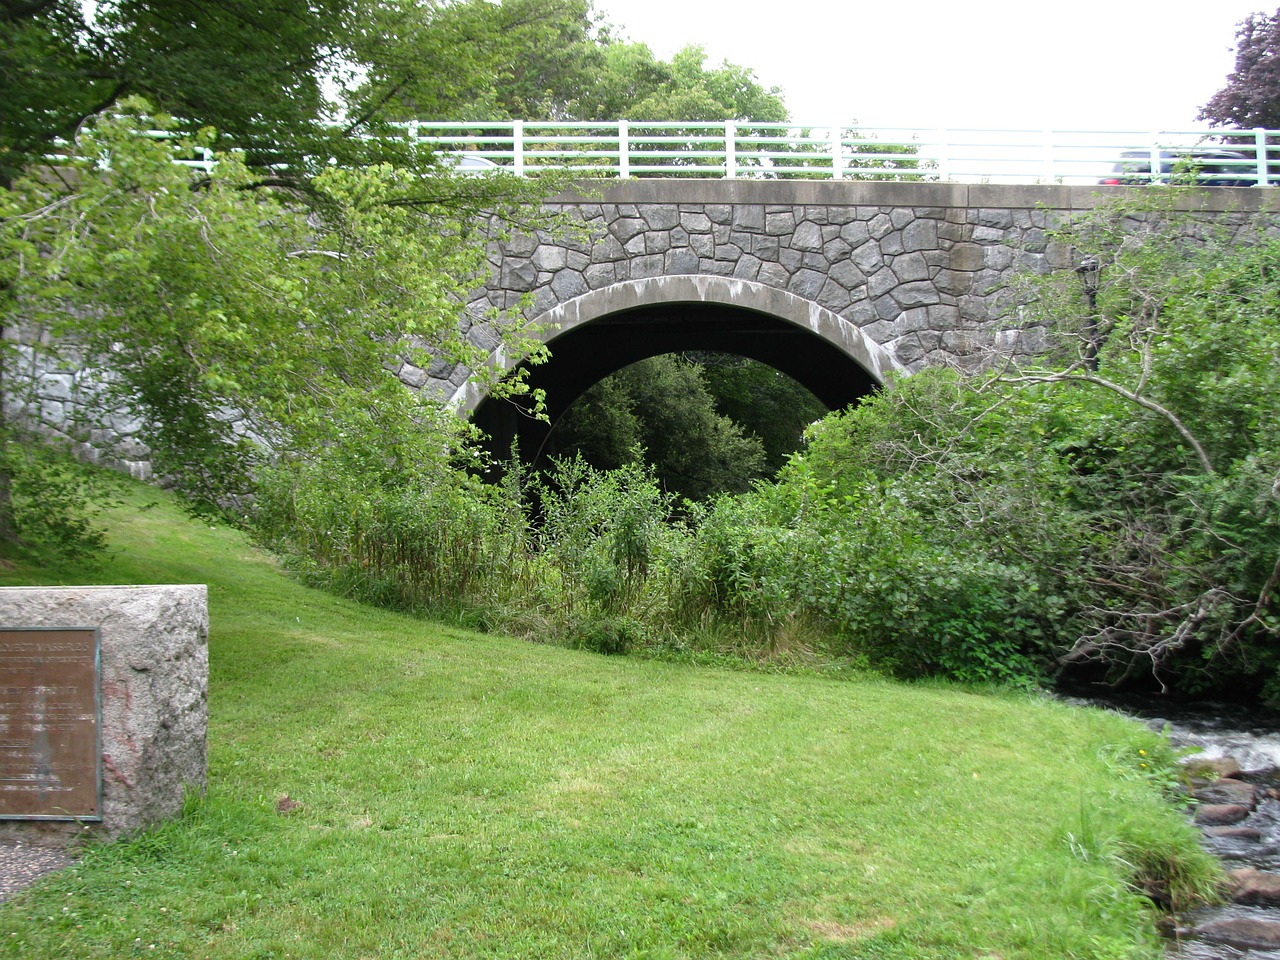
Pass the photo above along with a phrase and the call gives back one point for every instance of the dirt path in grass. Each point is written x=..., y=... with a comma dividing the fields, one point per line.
x=22, y=864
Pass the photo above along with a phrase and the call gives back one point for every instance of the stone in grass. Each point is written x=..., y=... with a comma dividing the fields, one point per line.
x=1214, y=769
x=1244, y=933
x=1220, y=814
x=1228, y=791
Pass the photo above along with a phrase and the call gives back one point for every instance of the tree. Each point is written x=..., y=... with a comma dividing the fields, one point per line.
x=707, y=422
x=1174, y=437
x=1251, y=97
x=636, y=86
x=321, y=212
x=243, y=327
x=762, y=401
x=540, y=60
x=660, y=410
x=253, y=71
x=479, y=60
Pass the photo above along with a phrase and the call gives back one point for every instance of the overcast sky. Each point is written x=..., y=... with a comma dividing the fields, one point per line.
x=998, y=64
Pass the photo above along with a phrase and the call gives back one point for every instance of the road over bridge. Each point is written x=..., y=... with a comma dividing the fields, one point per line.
x=841, y=285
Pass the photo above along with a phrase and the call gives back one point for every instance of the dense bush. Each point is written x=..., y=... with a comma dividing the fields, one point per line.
x=435, y=545
x=54, y=500
x=1123, y=514
x=574, y=556
x=1175, y=441
x=882, y=556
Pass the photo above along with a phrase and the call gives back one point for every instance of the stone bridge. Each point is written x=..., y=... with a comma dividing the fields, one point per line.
x=840, y=285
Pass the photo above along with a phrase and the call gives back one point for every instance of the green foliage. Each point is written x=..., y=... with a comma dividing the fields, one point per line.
x=860, y=535
x=41, y=72
x=434, y=545
x=1155, y=761
x=588, y=572
x=741, y=564
x=662, y=410
x=635, y=86
x=253, y=72
x=607, y=635
x=1158, y=856
x=764, y=402
x=55, y=501
x=477, y=60
x=1175, y=442
x=540, y=60
x=602, y=532
x=997, y=527
x=227, y=317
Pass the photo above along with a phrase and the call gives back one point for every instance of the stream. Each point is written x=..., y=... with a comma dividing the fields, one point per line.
x=1239, y=817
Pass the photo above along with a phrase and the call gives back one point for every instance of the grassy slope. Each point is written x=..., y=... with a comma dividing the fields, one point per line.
x=470, y=796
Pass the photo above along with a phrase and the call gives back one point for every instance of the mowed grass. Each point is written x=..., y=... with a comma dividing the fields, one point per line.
x=458, y=795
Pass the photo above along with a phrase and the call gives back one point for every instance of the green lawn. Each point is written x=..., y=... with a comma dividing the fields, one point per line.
x=469, y=796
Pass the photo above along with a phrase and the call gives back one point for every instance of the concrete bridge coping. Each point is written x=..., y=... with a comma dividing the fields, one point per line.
x=879, y=193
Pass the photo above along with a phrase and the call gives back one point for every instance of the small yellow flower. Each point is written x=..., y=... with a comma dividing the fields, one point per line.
x=1142, y=753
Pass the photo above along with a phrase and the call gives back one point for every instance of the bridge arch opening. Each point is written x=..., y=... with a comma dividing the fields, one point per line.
x=602, y=332
x=707, y=423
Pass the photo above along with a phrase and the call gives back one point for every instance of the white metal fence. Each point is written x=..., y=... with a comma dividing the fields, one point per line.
x=744, y=149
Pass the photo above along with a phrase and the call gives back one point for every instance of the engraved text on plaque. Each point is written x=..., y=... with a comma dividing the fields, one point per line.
x=49, y=724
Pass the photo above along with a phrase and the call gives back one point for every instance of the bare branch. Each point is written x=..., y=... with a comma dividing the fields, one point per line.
x=1073, y=375
x=336, y=255
x=1269, y=589
x=1151, y=635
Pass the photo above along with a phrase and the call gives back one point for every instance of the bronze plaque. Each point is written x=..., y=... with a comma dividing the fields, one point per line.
x=50, y=720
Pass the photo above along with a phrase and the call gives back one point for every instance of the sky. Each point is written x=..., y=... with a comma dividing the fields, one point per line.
x=997, y=64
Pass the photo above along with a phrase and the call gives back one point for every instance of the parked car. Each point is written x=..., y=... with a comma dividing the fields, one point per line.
x=1210, y=168
x=469, y=163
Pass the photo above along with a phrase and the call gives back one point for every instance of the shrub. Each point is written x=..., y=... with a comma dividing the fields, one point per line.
x=54, y=500
x=446, y=544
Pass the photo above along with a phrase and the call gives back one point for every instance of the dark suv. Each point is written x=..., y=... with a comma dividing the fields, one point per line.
x=1207, y=168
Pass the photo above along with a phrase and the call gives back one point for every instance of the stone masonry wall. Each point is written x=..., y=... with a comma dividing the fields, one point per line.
x=920, y=268
x=918, y=280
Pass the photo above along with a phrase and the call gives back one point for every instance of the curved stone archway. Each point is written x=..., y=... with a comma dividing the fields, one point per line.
x=604, y=330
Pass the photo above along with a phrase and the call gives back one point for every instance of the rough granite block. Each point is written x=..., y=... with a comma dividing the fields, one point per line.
x=155, y=687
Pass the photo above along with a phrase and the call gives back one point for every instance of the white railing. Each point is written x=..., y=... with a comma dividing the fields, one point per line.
x=743, y=149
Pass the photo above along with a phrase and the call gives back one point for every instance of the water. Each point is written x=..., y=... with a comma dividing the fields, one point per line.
x=1250, y=738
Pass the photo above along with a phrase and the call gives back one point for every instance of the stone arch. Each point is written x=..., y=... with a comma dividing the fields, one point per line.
x=658, y=292
x=602, y=331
